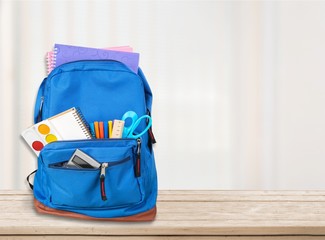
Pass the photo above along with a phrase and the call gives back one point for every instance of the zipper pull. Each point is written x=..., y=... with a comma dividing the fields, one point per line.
x=102, y=180
x=138, y=160
x=151, y=136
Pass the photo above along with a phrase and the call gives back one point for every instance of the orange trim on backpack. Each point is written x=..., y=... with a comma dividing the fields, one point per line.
x=140, y=217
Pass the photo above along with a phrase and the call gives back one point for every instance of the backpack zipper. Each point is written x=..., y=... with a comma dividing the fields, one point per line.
x=138, y=160
x=102, y=180
x=102, y=176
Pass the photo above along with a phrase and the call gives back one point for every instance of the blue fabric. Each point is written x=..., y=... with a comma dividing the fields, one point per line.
x=103, y=90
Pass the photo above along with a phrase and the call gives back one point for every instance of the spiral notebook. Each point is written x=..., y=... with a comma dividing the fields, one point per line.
x=68, y=53
x=68, y=125
x=51, y=56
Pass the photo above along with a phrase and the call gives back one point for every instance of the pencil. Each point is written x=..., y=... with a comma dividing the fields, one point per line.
x=110, y=129
x=101, y=129
x=96, y=129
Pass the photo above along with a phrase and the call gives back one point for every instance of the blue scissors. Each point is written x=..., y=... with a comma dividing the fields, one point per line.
x=129, y=131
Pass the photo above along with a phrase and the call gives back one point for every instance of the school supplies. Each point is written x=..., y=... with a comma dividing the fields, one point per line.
x=80, y=159
x=68, y=125
x=129, y=131
x=101, y=129
x=51, y=56
x=105, y=129
x=117, y=131
x=67, y=53
x=96, y=126
x=92, y=129
x=110, y=129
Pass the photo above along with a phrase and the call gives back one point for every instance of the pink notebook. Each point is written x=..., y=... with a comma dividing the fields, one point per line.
x=65, y=53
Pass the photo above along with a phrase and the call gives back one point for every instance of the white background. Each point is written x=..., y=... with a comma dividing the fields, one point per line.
x=238, y=86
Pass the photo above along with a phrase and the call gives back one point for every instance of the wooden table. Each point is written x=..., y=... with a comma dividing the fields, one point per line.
x=230, y=215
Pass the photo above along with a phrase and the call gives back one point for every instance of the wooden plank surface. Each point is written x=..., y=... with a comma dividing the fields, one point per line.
x=205, y=214
x=69, y=237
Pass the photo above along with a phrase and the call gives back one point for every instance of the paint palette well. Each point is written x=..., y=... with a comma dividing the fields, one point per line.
x=39, y=135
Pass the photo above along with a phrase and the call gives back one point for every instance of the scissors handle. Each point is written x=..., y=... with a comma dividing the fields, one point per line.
x=134, y=127
x=128, y=131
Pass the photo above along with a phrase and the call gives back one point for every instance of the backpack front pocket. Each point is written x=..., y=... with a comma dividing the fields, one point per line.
x=111, y=185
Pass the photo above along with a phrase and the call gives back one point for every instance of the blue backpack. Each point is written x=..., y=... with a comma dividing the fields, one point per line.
x=102, y=90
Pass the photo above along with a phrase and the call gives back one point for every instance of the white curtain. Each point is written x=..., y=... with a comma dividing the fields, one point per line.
x=238, y=86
